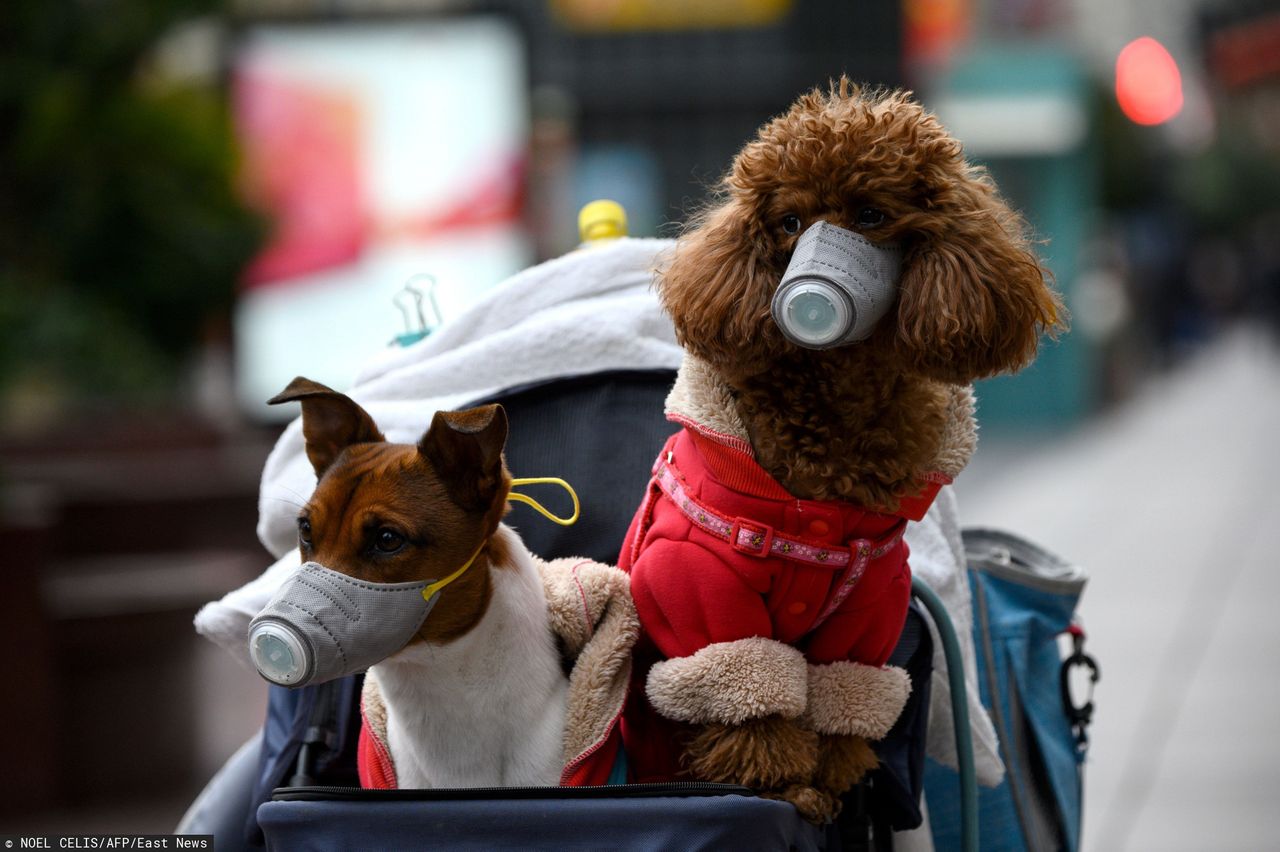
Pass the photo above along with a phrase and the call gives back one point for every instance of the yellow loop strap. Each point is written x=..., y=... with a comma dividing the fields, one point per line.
x=433, y=588
x=538, y=507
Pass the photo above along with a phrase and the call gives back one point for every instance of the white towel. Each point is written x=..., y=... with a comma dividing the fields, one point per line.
x=591, y=310
x=937, y=557
x=588, y=311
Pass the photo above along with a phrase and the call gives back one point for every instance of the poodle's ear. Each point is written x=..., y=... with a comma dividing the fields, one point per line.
x=973, y=298
x=717, y=285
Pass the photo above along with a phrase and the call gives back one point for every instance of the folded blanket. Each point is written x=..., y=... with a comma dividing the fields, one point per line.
x=588, y=311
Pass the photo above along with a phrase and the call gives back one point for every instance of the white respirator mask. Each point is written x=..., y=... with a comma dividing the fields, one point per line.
x=837, y=287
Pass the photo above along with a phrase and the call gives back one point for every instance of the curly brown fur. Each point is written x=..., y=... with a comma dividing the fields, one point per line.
x=843, y=760
x=858, y=422
x=817, y=806
x=768, y=753
x=781, y=760
x=813, y=449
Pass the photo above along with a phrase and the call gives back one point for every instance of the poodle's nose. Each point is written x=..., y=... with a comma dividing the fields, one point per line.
x=837, y=286
x=815, y=315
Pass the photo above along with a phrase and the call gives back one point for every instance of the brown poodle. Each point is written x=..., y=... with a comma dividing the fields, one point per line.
x=868, y=424
x=972, y=298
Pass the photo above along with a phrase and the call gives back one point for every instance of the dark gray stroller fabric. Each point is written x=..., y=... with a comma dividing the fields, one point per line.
x=598, y=432
x=687, y=823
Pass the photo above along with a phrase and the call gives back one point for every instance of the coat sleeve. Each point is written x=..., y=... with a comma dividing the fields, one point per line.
x=723, y=665
x=687, y=597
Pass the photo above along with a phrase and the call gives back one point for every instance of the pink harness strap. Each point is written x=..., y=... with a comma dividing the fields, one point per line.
x=761, y=540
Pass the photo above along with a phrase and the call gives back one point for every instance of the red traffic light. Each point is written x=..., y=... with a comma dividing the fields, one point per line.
x=1148, y=83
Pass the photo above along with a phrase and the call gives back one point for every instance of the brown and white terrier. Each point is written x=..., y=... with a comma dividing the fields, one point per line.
x=478, y=696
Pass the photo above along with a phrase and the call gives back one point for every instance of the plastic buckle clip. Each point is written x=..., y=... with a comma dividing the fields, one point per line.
x=751, y=538
x=1078, y=715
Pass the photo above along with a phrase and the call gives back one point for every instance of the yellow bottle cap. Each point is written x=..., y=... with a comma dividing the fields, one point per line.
x=602, y=220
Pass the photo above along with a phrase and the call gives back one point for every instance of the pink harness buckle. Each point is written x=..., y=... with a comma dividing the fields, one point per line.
x=753, y=539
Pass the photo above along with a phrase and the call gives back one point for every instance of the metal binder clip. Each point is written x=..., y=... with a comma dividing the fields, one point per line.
x=415, y=320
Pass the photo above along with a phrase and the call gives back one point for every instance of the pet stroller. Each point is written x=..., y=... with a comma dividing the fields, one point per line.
x=581, y=357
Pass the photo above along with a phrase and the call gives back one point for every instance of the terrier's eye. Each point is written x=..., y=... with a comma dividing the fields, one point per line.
x=791, y=223
x=304, y=532
x=388, y=540
x=870, y=217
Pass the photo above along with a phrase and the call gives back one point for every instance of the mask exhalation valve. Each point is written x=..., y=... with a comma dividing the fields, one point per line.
x=277, y=654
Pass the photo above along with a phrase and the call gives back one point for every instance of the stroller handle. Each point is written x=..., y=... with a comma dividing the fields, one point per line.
x=959, y=713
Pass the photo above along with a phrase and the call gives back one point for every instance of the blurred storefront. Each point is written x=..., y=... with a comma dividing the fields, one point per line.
x=382, y=151
x=1024, y=111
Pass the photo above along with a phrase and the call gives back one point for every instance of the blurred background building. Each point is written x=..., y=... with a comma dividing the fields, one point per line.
x=201, y=199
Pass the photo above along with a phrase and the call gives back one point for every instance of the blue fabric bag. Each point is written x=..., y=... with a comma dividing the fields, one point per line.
x=1023, y=599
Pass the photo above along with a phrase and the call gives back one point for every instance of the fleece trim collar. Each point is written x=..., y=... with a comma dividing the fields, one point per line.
x=702, y=402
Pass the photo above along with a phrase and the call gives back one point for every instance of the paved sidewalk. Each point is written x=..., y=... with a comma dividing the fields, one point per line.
x=1171, y=502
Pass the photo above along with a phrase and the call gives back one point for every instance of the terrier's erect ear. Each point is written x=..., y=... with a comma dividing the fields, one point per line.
x=331, y=421
x=974, y=299
x=465, y=449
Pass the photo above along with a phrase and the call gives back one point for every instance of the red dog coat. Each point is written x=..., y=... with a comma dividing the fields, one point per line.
x=720, y=552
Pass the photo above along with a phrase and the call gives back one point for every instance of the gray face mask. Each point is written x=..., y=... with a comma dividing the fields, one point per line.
x=837, y=287
x=322, y=625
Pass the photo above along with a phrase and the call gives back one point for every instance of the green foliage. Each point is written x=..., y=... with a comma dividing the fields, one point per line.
x=120, y=232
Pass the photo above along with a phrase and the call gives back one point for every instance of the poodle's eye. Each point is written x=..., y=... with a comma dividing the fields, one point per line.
x=870, y=217
x=791, y=223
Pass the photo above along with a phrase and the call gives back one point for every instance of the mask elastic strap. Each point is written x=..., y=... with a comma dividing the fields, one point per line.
x=538, y=507
x=433, y=588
